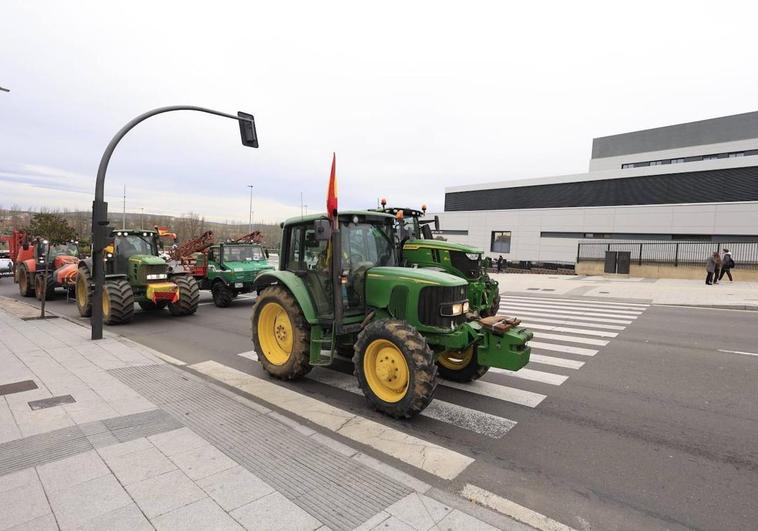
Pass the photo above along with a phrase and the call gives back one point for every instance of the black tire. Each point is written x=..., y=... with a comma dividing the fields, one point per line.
x=297, y=364
x=41, y=290
x=84, y=291
x=465, y=373
x=150, y=306
x=422, y=371
x=119, y=308
x=222, y=294
x=25, y=281
x=189, y=296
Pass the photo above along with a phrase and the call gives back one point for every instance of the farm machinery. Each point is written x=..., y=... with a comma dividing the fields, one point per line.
x=419, y=249
x=42, y=266
x=227, y=269
x=135, y=273
x=341, y=290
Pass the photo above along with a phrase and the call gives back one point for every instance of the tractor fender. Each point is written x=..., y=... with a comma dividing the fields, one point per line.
x=87, y=264
x=294, y=284
x=31, y=265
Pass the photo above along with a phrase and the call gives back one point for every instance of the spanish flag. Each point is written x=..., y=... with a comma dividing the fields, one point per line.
x=331, y=193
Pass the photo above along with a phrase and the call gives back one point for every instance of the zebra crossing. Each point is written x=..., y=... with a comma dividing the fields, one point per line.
x=568, y=333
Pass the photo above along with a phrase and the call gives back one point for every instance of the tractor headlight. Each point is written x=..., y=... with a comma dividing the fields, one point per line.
x=454, y=310
x=157, y=276
x=473, y=256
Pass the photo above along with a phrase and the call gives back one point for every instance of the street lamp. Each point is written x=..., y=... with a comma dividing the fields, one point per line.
x=100, y=207
x=250, y=212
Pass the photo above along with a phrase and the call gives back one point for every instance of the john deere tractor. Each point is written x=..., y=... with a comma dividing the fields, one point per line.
x=419, y=249
x=135, y=273
x=340, y=289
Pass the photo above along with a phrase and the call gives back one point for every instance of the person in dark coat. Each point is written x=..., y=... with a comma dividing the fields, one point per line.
x=717, y=258
x=727, y=263
x=710, y=267
x=500, y=263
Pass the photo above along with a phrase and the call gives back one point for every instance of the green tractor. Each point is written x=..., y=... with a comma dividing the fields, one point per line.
x=135, y=273
x=420, y=249
x=228, y=269
x=341, y=290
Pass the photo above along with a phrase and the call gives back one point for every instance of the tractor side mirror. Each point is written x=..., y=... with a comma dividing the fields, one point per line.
x=426, y=232
x=437, y=223
x=323, y=229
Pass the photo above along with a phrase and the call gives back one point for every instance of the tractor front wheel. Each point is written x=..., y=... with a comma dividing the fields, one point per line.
x=25, y=283
x=189, y=296
x=118, y=302
x=84, y=290
x=41, y=289
x=222, y=294
x=395, y=368
x=281, y=335
x=461, y=366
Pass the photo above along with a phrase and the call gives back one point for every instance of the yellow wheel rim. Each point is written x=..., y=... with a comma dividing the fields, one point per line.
x=457, y=360
x=275, y=333
x=81, y=294
x=386, y=370
x=106, y=303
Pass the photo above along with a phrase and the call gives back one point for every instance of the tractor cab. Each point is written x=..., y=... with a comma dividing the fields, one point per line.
x=128, y=250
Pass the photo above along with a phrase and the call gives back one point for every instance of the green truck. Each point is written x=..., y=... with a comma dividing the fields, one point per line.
x=420, y=249
x=228, y=269
x=135, y=273
x=341, y=288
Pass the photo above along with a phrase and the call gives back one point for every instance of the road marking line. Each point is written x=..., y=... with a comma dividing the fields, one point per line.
x=570, y=317
x=574, y=323
x=204, y=303
x=583, y=301
x=498, y=392
x=574, y=307
x=739, y=352
x=422, y=454
x=251, y=355
x=564, y=311
x=463, y=417
x=571, y=339
x=512, y=509
x=598, y=333
x=531, y=374
x=563, y=348
x=557, y=362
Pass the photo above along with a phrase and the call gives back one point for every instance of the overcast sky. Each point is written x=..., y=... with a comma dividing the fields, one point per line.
x=412, y=96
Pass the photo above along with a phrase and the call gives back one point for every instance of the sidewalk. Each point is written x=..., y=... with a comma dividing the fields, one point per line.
x=735, y=295
x=106, y=435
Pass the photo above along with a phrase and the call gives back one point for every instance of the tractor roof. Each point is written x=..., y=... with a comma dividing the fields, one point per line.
x=411, y=212
x=342, y=215
x=126, y=232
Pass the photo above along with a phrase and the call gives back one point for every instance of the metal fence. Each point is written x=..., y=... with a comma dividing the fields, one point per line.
x=677, y=254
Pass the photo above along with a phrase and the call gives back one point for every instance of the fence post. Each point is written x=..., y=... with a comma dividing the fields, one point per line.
x=676, y=256
x=578, y=249
x=640, y=260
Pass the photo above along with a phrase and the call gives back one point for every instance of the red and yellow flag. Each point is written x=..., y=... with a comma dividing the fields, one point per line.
x=331, y=193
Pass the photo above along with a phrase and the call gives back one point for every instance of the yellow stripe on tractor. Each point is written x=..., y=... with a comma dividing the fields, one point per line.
x=163, y=291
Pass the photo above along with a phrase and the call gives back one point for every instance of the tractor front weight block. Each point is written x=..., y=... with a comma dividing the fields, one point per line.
x=504, y=351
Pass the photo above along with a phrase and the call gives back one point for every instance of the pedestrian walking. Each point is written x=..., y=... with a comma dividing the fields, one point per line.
x=500, y=263
x=727, y=263
x=710, y=267
x=717, y=271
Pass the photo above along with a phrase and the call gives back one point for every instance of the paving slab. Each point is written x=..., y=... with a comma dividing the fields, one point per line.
x=63, y=474
x=202, y=514
x=127, y=518
x=274, y=512
x=164, y=493
x=82, y=502
x=140, y=465
x=202, y=462
x=22, y=504
x=234, y=487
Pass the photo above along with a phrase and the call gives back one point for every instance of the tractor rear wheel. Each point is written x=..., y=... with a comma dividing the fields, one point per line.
x=281, y=335
x=395, y=368
x=118, y=302
x=40, y=289
x=25, y=282
x=150, y=306
x=222, y=294
x=189, y=296
x=461, y=366
x=84, y=290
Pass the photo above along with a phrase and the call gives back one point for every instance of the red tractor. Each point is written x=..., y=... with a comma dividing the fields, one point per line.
x=36, y=257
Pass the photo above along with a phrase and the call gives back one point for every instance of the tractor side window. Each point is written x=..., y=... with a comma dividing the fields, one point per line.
x=211, y=255
x=294, y=256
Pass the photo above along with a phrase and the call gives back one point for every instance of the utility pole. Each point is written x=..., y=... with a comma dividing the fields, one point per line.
x=250, y=220
x=123, y=216
x=142, y=219
x=301, y=205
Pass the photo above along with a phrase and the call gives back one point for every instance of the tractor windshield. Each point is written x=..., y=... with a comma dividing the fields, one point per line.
x=242, y=253
x=63, y=249
x=367, y=245
x=131, y=244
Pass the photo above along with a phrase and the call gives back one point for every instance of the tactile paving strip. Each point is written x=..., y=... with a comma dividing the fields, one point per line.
x=341, y=492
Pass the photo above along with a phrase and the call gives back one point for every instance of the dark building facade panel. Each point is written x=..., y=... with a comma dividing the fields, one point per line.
x=713, y=131
x=709, y=186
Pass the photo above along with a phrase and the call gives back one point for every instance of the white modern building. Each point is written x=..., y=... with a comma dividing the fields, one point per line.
x=692, y=181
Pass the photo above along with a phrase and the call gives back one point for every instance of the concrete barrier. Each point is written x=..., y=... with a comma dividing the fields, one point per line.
x=593, y=268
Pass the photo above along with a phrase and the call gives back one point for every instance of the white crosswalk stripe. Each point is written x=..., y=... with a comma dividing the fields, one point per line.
x=583, y=331
x=577, y=306
x=560, y=311
x=463, y=417
x=528, y=312
x=563, y=348
x=558, y=320
x=581, y=301
x=531, y=374
x=498, y=392
x=629, y=314
x=571, y=339
x=556, y=362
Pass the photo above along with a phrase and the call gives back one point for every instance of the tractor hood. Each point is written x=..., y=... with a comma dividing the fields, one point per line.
x=146, y=259
x=247, y=265
x=412, y=245
x=409, y=275
x=60, y=261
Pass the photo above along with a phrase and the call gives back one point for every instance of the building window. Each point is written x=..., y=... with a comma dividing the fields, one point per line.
x=677, y=161
x=452, y=232
x=656, y=162
x=500, y=242
x=628, y=165
x=710, y=157
x=737, y=154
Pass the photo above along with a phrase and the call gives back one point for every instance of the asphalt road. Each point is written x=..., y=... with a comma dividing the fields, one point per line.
x=657, y=430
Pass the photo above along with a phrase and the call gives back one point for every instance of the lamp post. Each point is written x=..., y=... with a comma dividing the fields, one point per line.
x=250, y=211
x=100, y=207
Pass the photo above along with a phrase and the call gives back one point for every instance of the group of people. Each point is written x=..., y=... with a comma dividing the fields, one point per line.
x=719, y=265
